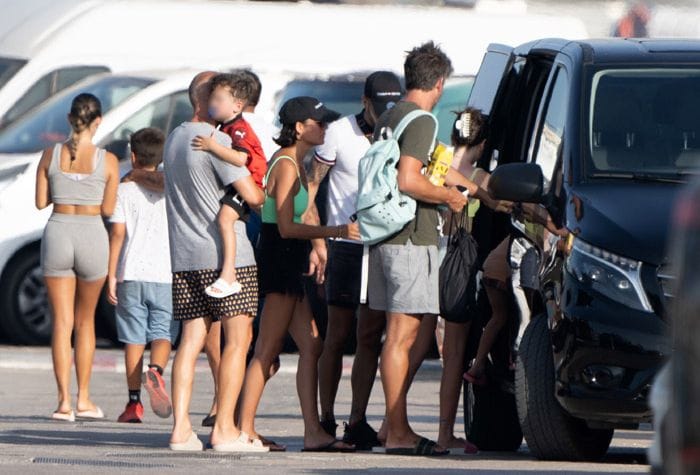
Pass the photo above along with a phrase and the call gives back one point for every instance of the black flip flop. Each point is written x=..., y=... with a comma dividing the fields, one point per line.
x=272, y=445
x=331, y=447
x=423, y=447
x=209, y=421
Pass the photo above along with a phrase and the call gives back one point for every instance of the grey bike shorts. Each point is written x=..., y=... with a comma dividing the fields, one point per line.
x=75, y=246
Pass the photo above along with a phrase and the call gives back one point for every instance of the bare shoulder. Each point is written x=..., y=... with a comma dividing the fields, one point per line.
x=46, y=156
x=111, y=160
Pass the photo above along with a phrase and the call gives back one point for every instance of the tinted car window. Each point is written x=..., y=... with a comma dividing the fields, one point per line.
x=492, y=72
x=47, y=86
x=47, y=124
x=8, y=68
x=165, y=114
x=551, y=134
x=644, y=121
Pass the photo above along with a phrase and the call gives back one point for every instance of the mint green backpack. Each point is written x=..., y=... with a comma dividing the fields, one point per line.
x=383, y=210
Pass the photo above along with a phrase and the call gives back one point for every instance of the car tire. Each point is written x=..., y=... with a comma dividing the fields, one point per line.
x=550, y=433
x=25, y=317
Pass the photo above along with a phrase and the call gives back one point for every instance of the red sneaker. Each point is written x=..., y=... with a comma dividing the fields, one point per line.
x=155, y=385
x=133, y=413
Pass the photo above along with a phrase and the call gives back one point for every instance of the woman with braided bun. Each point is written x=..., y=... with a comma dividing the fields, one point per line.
x=80, y=180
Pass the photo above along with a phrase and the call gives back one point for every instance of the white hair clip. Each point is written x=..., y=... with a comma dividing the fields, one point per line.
x=464, y=125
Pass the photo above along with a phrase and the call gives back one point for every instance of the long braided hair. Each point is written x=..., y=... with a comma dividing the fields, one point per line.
x=84, y=109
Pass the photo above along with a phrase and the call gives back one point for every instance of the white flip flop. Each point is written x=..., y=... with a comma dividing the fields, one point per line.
x=95, y=414
x=222, y=289
x=242, y=444
x=193, y=444
x=64, y=416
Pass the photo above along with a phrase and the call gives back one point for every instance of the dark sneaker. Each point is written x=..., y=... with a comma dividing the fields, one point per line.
x=329, y=427
x=361, y=435
x=154, y=384
x=133, y=413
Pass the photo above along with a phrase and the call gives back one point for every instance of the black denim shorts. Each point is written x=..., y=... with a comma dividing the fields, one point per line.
x=343, y=274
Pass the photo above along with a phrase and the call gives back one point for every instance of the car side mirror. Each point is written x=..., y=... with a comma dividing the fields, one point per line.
x=517, y=182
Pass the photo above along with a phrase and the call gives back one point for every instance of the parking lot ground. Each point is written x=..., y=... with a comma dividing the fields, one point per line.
x=31, y=443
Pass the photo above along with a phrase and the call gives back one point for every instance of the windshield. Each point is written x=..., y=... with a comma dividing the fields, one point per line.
x=8, y=68
x=644, y=123
x=48, y=124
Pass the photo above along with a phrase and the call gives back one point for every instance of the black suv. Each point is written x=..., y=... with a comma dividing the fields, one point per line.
x=602, y=133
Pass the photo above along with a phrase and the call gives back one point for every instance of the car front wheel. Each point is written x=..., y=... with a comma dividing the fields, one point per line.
x=550, y=432
x=25, y=310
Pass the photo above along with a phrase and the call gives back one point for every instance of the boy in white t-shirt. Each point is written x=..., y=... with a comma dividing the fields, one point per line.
x=139, y=280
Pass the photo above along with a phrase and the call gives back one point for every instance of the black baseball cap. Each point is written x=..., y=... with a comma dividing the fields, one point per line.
x=383, y=89
x=299, y=109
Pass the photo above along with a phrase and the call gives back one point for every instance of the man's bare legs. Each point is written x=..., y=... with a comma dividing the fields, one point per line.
x=370, y=327
x=419, y=350
x=401, y=334
x=194, y=335
x=330, y=364
x=238, y=332
x=212, y=348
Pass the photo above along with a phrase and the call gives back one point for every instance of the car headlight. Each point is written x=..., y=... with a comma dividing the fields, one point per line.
x=616, y=277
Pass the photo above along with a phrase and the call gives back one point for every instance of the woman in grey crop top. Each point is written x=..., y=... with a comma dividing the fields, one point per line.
x=80, y=180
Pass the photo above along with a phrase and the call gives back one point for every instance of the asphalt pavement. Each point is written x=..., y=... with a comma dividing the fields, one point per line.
x=32, y=443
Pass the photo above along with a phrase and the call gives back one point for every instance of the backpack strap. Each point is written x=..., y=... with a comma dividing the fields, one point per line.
x=408, y=118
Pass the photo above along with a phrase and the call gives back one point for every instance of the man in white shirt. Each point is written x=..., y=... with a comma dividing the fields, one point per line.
x=346, y=142
x=264, y=129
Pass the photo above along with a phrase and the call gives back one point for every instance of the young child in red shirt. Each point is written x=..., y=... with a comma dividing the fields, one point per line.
x=229, y=95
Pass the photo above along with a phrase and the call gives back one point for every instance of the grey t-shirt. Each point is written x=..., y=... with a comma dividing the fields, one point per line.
x=194, y=184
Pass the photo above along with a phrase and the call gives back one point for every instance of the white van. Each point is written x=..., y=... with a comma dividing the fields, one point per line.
x=47, y=45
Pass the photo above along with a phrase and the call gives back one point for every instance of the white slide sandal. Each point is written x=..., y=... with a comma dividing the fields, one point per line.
x=222, y=289
x=64, y=416
x=95, y=414
x=193, y=444
x=242, y=444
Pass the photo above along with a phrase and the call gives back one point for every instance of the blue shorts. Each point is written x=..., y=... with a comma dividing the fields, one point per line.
x=145, y=312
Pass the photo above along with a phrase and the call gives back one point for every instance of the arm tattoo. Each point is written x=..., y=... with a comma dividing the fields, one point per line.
x=318, y=171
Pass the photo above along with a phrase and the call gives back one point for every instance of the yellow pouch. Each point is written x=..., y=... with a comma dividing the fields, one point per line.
x=440, y=163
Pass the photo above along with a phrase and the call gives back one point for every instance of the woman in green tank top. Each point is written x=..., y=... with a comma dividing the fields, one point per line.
x=286, y=257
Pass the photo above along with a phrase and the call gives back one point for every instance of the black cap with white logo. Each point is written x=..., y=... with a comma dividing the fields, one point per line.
x=383, y=89
x=299, y=109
